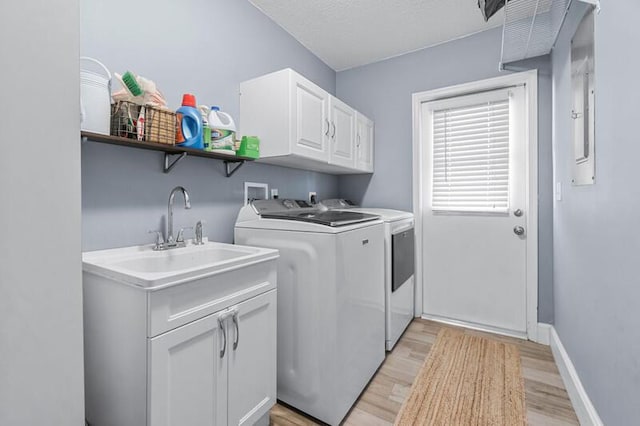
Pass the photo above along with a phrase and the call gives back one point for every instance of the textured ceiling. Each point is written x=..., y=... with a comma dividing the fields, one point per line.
x=350, y=33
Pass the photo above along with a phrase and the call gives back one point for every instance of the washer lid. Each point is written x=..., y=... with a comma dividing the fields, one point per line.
x=387, y=215
x=333, y=218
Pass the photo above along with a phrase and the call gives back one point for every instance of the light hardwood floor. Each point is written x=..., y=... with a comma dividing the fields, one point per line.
x=545, y=396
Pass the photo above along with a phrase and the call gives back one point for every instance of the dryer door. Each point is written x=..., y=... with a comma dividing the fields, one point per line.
x=402, y=253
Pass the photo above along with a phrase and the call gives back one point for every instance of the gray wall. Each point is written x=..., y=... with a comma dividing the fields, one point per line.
x=383, y=91
x=41, y=363
x=206, y=47
x=596, y=238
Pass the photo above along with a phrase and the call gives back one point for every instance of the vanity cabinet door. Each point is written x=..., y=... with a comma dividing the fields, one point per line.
x=187, y=375
x=252, y=359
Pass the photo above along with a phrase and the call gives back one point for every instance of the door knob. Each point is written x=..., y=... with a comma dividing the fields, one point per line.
x=517, y=213
x=518, y=230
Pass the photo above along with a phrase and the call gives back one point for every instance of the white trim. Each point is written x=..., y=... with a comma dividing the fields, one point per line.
x=586, y=412
x=530, y=80
x=254, y=185
x=474, y=326
x=544, y=333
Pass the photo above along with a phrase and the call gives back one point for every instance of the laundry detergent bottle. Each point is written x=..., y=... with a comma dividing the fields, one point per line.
x=189, y=130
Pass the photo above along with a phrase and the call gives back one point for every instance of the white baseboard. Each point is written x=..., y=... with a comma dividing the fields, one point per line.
x=544, y=334
x=586, y=412
x=474, y=326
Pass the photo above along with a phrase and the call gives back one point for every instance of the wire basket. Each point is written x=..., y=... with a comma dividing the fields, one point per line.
x=159, y=124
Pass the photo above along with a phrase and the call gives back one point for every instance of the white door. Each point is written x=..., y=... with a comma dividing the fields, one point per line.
x=342, y=133
x=475, y=191
x=310, y=121
x=252, y=359
x=187, y=376
x=364, y=143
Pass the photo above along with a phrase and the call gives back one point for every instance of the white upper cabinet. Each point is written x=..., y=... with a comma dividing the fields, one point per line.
x=299, y=124
x=364, y=143
x=342, y=132
x=309, y=120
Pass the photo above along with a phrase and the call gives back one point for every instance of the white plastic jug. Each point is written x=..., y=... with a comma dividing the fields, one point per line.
x=223, y=130
x=95, y=98
x=219, y=120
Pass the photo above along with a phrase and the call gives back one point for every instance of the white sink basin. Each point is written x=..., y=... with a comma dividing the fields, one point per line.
x=144, y=267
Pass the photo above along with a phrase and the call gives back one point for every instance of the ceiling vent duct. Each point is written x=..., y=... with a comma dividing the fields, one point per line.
x=531, y=28
x=490, y=7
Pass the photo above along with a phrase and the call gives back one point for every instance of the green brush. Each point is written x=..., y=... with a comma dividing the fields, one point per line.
x=129, y=79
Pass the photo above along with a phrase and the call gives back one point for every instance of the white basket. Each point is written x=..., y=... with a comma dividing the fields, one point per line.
x=95, y=98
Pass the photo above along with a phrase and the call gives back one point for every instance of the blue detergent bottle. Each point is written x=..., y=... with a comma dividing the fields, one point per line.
x=189, y=131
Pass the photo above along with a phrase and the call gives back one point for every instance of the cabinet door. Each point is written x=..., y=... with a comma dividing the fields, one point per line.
x=309, y=119
x=252, y=359
x=187, y=376
x=364, y=144
x=342, y=133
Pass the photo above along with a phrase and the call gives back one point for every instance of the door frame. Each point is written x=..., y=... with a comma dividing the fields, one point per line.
x=530, y=80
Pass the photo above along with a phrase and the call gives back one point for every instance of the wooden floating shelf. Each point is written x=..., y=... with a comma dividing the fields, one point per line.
x=169, y=150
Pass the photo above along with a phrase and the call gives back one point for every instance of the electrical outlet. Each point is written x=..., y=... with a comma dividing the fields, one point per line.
x=274, y=193
x=313, y=198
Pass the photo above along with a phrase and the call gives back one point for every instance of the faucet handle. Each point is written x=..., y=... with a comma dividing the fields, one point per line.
x=159, y=239
x=199, y=232
x=180, y=237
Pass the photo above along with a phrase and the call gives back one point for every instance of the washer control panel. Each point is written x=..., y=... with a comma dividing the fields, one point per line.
x=280, y=205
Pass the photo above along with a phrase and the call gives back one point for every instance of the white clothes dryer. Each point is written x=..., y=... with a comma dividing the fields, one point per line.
x=399, y=261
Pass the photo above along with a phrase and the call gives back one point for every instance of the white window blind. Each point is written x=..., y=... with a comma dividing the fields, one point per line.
x=471, y=157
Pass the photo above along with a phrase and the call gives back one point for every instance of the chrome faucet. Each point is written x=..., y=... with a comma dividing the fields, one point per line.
x=198, y=240
x=170, y=241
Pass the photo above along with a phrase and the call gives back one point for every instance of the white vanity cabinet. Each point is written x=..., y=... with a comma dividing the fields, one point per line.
x=201, y=352
x=299, y=124
x=218, y=370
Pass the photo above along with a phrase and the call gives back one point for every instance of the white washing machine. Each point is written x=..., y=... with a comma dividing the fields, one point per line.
x=330, y=300
x=399, y=261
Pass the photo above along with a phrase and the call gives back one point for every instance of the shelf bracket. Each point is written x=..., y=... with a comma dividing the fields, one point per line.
x=231, y=170
x=168, y=164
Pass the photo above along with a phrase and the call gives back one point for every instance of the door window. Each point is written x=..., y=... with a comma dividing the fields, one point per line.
x=470, y=170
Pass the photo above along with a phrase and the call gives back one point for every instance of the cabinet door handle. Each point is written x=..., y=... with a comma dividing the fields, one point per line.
x=224, y=335
x=358, y=140
x=235, y=322
x=333, y=135
x=328, y=127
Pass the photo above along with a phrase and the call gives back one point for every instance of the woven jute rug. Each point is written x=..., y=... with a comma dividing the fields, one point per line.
x=467, y=380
